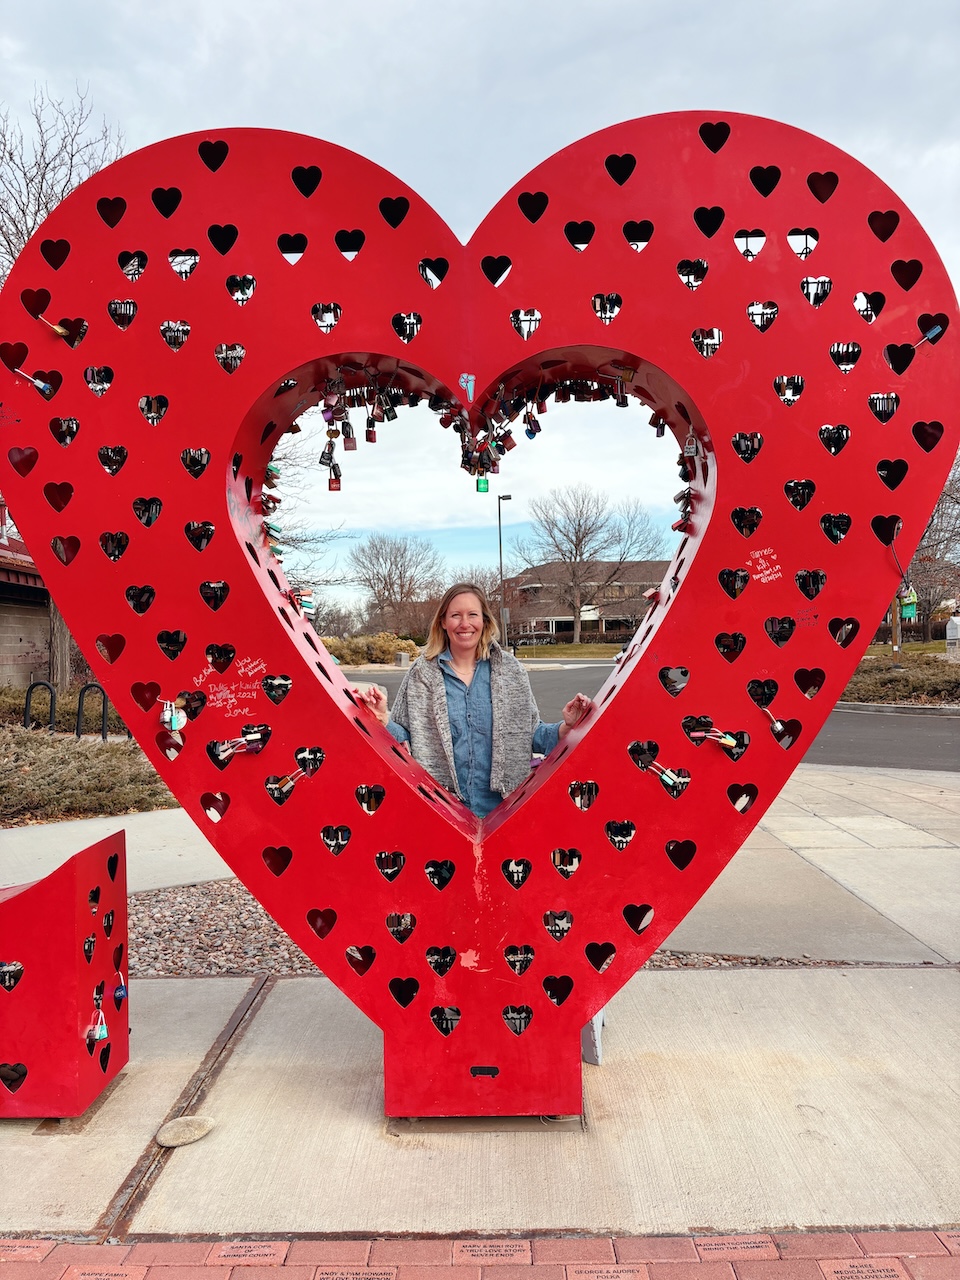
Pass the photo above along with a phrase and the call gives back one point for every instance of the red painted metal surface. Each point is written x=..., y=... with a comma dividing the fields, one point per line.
x=761, y=292
x=64, y=1024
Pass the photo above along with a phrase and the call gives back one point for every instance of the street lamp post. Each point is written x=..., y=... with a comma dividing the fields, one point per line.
x=501, y=497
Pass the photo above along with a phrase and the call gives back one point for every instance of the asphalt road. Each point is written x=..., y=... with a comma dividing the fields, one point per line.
x=871, y=739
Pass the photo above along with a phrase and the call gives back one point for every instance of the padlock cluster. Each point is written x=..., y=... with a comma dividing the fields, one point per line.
x=486, y=436
x=380, y=404
x=483, y=448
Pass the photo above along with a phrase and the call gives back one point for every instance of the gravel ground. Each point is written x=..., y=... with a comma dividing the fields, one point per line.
x=218, y=929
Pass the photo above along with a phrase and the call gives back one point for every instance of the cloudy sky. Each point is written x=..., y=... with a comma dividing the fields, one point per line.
x=460, y=98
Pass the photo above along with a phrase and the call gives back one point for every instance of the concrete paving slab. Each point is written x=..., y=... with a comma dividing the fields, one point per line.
x=824, y=835
x=774, y=902
x=61, y=1178
x=164, y=848
x=883, y=832
x=947, y=834
x=919, y=892
x=729, y=1100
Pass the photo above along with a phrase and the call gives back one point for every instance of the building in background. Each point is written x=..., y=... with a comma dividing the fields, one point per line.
x=540, y=600
x=24, y=616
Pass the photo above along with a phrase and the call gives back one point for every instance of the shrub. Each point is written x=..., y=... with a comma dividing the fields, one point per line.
x=358, y=650
x=916, y=678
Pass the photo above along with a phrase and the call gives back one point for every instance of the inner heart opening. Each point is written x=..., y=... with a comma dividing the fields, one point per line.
x=361, y=394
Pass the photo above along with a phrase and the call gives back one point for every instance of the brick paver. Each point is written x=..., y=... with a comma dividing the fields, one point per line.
x=25, y=1250
x=89, y=1255
x=492, y=1253
x=823, y=1244
x=187, y=1271
x=691, y=1271
x=886, y=1244
x=249, y=1253
x=727, y=1248
x=31, y=1270
x=885, y=1268
x=574, y=1249
x=784, y=1269
x=329, y=1253
x=103, y=1271
x=169, y=1253
x=655, y=1249
x=599, y=1271
x=430, y=1253
x=422, y=1271
x=922, y=1268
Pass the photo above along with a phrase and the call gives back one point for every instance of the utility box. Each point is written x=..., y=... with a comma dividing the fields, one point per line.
x=953, y=638
x=401, y=659
x=64, y=1025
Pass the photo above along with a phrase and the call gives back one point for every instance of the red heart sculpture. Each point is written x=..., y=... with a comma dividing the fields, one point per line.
x=766, y=297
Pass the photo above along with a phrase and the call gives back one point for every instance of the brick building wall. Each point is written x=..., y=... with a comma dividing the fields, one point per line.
x=24, y=641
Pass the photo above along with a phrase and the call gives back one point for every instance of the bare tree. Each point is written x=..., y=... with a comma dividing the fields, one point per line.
x=39, y=167
x=589, y=541
x=332, y=617
x=934, y=571
x=482, y=576
x=396, y=573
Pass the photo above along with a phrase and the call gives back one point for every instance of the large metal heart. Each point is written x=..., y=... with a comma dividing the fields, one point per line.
x=762, y=293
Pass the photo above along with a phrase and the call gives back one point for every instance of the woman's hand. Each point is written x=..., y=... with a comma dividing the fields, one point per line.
x=374, y=699
x=575, y=710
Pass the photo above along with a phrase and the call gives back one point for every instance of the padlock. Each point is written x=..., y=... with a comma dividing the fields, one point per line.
x=98, y=1030
x=326, y=458
x=172, y=718
x=371, y=432
x=691, y=447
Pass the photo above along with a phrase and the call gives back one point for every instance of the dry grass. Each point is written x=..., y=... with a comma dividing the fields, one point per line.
x=568, y=650
x=46, y=778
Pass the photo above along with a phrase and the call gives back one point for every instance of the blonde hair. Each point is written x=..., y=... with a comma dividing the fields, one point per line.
x=437, y=639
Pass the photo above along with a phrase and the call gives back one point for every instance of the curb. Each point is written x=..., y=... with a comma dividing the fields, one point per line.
x=899, y=708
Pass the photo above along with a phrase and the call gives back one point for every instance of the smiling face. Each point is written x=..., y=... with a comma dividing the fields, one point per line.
x=463, y=623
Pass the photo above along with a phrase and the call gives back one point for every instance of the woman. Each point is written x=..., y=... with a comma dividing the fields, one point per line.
x=466, y=708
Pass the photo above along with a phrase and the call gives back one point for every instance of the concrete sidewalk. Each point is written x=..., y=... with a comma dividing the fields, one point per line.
x=730, y=1100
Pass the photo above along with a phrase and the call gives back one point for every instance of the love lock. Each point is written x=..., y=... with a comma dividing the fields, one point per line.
x=804, y=339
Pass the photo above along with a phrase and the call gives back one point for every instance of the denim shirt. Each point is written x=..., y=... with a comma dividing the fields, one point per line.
x=470, y=712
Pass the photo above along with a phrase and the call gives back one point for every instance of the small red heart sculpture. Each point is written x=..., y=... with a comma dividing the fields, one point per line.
x=757, y=290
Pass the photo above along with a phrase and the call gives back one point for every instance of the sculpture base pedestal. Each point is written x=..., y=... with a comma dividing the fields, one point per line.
x=495, y=1080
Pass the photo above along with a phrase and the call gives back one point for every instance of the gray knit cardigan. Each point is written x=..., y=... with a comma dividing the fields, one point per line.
x=421, y=709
